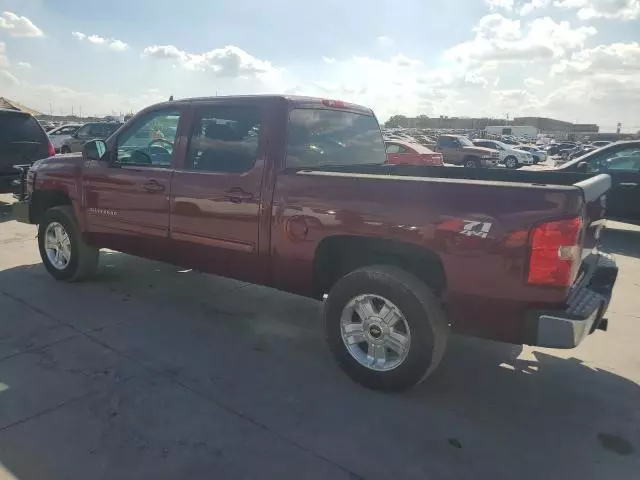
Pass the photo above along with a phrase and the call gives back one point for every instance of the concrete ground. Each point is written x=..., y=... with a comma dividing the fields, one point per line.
x=151, y=372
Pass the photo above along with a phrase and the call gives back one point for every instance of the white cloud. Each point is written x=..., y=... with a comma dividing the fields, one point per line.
x=96, y=39
x=3, y=55
x=498, y=26
x=329, y=60
x=384, y=40
x=612, y=9
x=533, y=5
x=617, y=58
x=495, y=4
x=118, y=45
x=229, y=61
x=111, y=43
x=600, y=98
x=499, y=39
x=532, y=82
x=24, y=64
x=397, y=84
x=516, y=100
x=19, y=26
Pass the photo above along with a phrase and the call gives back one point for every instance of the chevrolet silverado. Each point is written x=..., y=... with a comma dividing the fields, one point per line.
x=295, y=193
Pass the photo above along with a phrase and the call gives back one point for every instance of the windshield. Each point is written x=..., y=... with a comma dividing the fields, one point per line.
x=465, y=142
x=504, y=145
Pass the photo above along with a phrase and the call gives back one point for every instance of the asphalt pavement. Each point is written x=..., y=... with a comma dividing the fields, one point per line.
x=153, y=372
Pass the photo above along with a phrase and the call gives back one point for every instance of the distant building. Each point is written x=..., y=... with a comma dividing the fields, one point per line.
x=541, y=124
x=585, y=128
x=547, y=125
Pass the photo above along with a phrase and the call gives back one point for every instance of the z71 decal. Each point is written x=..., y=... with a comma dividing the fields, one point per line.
x=472, y=228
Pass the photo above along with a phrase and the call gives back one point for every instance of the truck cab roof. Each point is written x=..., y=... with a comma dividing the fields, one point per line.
x=295, y=101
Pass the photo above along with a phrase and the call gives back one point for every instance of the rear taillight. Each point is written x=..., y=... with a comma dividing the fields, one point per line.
x=52, y=150
x=432, y=159
x=555, y=253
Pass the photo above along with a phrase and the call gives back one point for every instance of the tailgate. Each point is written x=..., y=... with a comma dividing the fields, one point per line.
x=595, y=191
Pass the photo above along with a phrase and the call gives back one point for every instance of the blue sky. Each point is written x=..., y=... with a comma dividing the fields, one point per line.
x=578, y=60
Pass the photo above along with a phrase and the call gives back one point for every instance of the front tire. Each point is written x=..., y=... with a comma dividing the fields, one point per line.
x=64, y=253
x=511, y=162
x=472, y=163
x=385, y=328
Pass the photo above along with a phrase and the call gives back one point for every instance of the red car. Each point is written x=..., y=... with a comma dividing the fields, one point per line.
x=407, y=153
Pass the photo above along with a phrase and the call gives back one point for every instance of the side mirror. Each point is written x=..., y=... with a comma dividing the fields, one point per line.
x=94, y=150
x=583, y=167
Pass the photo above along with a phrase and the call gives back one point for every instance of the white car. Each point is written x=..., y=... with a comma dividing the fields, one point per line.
x=59, y=134
x=509, y=155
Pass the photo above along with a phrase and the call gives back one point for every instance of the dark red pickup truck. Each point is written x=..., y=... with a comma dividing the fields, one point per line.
x=294, y=193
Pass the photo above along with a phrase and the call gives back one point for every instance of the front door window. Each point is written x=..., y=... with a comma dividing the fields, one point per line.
x=150, y=140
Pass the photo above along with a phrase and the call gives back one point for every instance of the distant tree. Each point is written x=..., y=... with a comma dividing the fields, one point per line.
x=397, y=121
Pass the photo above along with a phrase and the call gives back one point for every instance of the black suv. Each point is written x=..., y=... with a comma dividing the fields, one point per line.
x=22, y=142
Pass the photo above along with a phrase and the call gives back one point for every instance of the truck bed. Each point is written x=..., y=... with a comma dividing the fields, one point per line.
x=592, y=185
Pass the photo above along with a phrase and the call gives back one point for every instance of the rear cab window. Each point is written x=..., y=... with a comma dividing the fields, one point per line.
x=320, y=137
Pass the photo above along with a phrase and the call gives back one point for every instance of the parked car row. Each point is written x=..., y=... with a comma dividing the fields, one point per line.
x=70, y=138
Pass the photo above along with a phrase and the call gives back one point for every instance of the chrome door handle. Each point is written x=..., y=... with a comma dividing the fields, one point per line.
x=628, y=184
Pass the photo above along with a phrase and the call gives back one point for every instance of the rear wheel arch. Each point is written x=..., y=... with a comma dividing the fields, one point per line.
x=336, y=256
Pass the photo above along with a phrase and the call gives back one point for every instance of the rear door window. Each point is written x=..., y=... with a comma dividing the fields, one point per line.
x=224, y=138
x=324, y=137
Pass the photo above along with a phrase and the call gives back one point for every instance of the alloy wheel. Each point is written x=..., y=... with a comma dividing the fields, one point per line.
x=375, y=332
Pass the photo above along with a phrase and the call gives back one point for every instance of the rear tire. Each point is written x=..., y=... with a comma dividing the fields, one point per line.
x=83, y=259
x=425, y=334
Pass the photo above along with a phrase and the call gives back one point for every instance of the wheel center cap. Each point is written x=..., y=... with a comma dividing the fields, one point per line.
x=375, y=331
